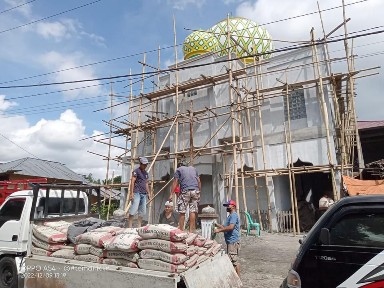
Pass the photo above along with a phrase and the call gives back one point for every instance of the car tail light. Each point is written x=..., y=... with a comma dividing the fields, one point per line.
x=293, y=279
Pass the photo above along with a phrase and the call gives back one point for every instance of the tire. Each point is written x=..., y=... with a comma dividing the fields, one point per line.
x=8, y=273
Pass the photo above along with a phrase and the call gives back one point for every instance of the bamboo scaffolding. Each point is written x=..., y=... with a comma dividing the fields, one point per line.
x=110, y=140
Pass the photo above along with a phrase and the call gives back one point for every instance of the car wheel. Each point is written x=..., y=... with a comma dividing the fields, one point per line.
x=8, y=273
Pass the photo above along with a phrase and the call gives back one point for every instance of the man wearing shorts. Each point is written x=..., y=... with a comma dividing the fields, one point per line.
x=139, y=192
x=231, y=231
x=189, y=195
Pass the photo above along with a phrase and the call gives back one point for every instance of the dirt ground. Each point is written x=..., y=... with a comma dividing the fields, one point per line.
x=265, y=261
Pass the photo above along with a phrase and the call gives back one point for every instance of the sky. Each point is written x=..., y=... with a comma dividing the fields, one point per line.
x=46, y=41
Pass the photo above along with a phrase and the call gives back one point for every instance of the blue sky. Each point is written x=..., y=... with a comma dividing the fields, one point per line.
x=49, y=125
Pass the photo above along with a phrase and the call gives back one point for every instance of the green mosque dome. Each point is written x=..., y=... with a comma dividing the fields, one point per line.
x=247, y=38
x=199, y=42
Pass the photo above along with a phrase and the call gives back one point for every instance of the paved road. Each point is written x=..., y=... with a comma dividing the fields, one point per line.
x=266, y=260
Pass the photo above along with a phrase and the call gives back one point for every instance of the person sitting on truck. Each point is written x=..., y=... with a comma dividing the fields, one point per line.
x=139, y=192
x=231, y=231
x=189, y=195
x=169, y=216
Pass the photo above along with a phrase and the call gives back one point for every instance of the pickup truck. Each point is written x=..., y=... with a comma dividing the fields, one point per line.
x=42, y=271
x=344, y=249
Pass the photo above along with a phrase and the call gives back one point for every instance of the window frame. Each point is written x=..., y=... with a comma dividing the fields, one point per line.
x=297, y=110
x=16, y=199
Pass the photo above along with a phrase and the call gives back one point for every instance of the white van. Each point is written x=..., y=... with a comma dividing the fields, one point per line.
x=15, y=225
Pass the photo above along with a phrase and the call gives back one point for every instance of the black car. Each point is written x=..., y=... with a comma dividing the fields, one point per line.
x=344, y=248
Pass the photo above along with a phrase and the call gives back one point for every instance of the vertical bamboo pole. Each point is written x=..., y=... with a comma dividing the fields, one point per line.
x=130, y=117
x=110, y=195
x=258, y=83
x=324, y=110
x=176, y=139
x=134, y=147
x=352, y=96
x=241, y=150
x=254, y=160
x=191, y=132
x=231, y=99
x=292, y=181
x=109, y=142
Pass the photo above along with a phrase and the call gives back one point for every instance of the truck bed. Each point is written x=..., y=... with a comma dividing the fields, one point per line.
x=47, y=272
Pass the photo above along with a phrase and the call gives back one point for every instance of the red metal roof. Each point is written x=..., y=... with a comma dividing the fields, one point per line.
x=370, y=124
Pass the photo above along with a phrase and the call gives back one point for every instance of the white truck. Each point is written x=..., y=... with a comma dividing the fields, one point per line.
x=47, y=202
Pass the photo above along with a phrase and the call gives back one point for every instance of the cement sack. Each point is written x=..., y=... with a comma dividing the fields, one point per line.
x=49, y=247
x=162, y=231
x=96, y=251
x=158, y=265
x=163, y=245
x=132, y=231
x=64, y=253
x=201, y=259
x=89, y=258
x=201, y=250
x=208, y=243
x=109, y=229
x=119, y=262
x=82, y=249
x=189, y=240
x=116, y=254
x=94, y=238
x=213, y=250
x=164, y=256
x=40, y=252
x=191, y=261
x=191, y=250
x=123, y=242
x=48, y=234
x=61, y=226
x=199, y=241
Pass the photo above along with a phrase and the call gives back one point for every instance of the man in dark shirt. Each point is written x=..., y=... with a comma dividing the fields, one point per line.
x=169, y=216
x=139, y=192
x=231, y=231
x=189, y=195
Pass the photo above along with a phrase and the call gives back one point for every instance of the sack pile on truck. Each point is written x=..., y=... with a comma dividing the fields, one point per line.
x=166, y=248
x=51, y=240
x=108, y=245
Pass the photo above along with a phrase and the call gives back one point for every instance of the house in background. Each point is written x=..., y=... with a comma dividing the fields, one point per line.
x=31, y=168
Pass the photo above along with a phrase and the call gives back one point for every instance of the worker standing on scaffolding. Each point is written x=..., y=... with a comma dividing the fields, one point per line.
x=139, y=192
x=189, y=195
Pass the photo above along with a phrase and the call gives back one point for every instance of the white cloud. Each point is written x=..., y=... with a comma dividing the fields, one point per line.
x=182, y=4
x=25, y=10
x=56, y=30
x=4, y=104
x=56, y=140
x=56, y=61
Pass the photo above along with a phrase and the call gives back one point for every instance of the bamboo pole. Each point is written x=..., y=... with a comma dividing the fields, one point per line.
x=110, y=140
x=289, y=170
x=258, y=83
x=352, y=96
x=134, y=147
x=231, y=99
x=191, y=132
x=324, y=111
x=110, y=194
x=176, y=143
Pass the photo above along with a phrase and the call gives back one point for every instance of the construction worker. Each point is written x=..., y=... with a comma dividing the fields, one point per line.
x=139, y=192
x=189, y=195
x=169, y=216
x=231, y=231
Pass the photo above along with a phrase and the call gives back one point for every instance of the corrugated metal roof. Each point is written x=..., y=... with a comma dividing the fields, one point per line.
x=370, y=124
x=41, y=168
x=104, y=193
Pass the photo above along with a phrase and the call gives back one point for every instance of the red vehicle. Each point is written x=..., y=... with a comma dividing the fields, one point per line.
x=9, y=186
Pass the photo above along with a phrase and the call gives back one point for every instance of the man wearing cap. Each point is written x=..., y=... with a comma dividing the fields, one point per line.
x=231, y=231
x=139, y=192
x=169, y=216
x=189, y=195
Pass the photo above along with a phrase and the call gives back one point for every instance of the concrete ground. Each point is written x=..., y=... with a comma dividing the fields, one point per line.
x=265, y=261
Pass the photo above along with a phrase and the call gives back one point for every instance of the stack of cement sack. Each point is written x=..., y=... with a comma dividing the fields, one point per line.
x=50, y=240
x=166, y=248
x=108, y=245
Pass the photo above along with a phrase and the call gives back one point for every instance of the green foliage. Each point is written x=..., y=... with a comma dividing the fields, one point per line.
x=104, y=209
x=90, y=178
x=116, y=180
